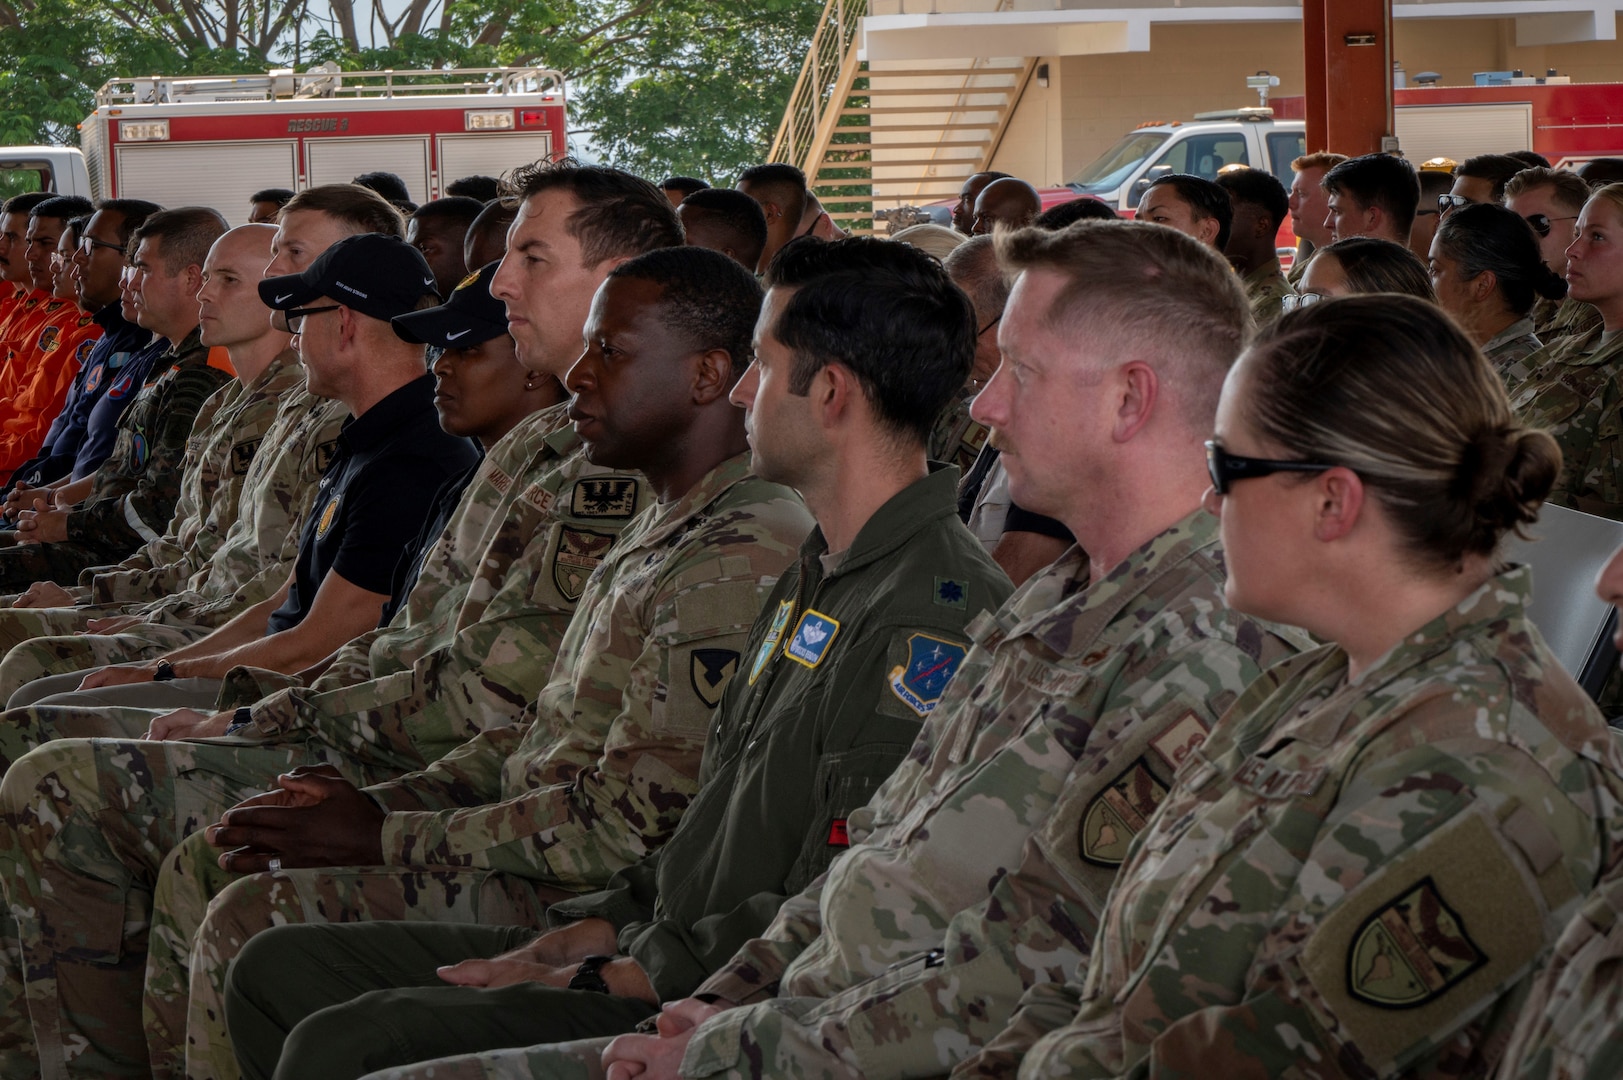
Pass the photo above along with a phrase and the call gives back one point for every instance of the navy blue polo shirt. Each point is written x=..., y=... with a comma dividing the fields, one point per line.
x=375, y=496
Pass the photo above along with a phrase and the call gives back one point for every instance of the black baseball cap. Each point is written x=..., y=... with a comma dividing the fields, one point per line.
x=471, y=316
x=377, y=275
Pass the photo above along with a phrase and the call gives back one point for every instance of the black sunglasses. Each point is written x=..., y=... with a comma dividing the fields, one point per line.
x=290, y=319
x=1445, y=203
x=88, y=244
x=1541, y=222
x=1225, y=468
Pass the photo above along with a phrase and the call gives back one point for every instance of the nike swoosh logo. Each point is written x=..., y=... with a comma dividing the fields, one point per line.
x=279, y=299
x=459, y=333
x=430, y=282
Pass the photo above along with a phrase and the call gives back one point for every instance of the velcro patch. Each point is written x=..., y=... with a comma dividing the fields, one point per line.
x=774, y=634
x=1180, y=740
x=813, y=635
x=1118, y=813
x=1411, y=950
x=579, y=552
x=498, y=479
x=931, y=664
x=242, y=456
x=609, y=497
x=710, y=671
x=538, y=497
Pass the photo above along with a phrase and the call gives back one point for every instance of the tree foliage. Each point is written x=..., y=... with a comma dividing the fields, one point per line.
x=691, y=86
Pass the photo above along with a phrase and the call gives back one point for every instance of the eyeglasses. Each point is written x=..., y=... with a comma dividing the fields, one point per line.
x=1541, y=222
x=1292, y=301
x=988, y=326
x=1445, y=203
x=1224, y=468
x=290, y=319
x=89, y=244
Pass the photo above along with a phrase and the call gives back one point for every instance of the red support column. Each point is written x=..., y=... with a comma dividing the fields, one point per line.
x=1347, y=52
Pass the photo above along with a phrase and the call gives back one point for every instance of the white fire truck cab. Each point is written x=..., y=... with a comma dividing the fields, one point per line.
x=215, y=140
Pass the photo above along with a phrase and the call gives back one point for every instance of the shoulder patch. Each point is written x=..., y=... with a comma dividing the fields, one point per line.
x=950, y=592
x=931, y=664
x=93, y=380
x=242, y=456
x=611, y=497
x=774, y=634
x=325, y=453
x=1410, y=951
x=48, y=339
x=813, y=635
x=82, y=352
x=711, y=670
x=138, y=447
x=579, y=552
x=1117, y=813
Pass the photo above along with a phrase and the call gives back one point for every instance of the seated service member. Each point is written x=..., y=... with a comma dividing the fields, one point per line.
x=792, y=750
x=1356, y=872
x=1075, y=705
x=603, y=766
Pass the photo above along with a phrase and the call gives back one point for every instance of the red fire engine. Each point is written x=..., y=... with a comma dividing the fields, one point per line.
x=214, y=141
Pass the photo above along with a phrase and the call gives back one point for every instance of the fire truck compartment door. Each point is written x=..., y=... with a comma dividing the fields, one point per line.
x=490, y=155
x=1462, y=131
x=338, y=161
x=221, y=175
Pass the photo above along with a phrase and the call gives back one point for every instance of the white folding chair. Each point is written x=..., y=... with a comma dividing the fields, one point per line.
x=1567, y=552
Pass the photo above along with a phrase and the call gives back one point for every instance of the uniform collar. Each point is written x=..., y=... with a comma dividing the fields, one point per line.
x=664, y=519
x=1519, y=329
x=1503, y=597
x=191, y=343
x=903, y=516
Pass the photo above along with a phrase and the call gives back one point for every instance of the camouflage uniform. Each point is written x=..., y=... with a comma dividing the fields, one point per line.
x=1569, y=1023
x=1076, y=701
x=1267, y=288
x=792, y=751
x=1509, y=349
x=133, y=494
x=957, y=437
x=1351, y=879
x=1554, y=319
x=1576, y=394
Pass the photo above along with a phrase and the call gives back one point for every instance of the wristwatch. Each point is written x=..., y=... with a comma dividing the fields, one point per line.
x=165, y=672
x=587, y=977
x=240, y=719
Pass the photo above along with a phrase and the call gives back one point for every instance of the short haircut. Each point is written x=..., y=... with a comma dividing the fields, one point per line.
x=387, y=184
x=132, y=213
x=1433, y=182
x=1601, y=170
x=277, y=195
x=1376, y=265
x=1530, y=159
x=783, y=184
x=707, y=297
x=1567, y=187
x=620, y=215
x=886, y=311
x=22, y=204
x=358, y=209
x=1495, y=168
x=1065, y=214
x=65, y=207
x=483, y=188
x=1321, y=159
x=495, y=216
x=187, y=233
x=974, y=268
x=454, y=210
x=687, y=185
x=1137, y=289
x=735, y=213
x=1259, y=187
x=1205, y=198
x=1489, y=237
x=1379, y=180
x=76, y=227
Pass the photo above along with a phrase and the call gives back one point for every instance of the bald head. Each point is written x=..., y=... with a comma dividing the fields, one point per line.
x=1009, y=203
x=230, y=312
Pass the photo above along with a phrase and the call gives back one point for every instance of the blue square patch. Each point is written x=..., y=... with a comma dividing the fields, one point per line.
x=814, y=633
x=931, y=664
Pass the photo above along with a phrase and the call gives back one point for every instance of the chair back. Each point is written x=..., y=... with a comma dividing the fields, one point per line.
x=1567, y=552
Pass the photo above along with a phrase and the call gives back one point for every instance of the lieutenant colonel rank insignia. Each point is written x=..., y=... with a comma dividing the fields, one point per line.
x=814, y=633
x=774, y=634
x=579, y=552
x=711, y=670
x=931, y=664
x=615, y=497
x=950, y=592
x=1410, y=951
x=1117, y=814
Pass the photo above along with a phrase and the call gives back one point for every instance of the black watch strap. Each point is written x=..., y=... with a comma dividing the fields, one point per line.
x=587, y=976
x=240, y=719
x=165, y=672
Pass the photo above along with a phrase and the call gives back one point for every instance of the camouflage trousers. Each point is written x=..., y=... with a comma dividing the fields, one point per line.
x=84, y=827
x=578, y=1060
x=59, y=652
x=24, y=564
x=216, y=913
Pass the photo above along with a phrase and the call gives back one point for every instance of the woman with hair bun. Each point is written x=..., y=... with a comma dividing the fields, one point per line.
x=1575, y=391
x=1356, y=872
x=1487, y=271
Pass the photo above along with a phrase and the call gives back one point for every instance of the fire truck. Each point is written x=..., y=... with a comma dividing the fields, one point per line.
x=215, y=140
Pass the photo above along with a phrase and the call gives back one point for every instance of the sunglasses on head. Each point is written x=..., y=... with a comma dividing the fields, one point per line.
x=1225, y=468
x=1541, y=222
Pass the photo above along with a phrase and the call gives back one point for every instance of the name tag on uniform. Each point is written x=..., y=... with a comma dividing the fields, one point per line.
x=813, y=635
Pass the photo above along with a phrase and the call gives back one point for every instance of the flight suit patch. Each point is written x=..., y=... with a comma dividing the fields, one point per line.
x=813, y=635
x=1117, y=814
x=931, y=664
x=711, y=670
x=950, y=592
x=614, y=497
x=242, y=456
x=579, y=552
x=1410, y=951
x=774, y=634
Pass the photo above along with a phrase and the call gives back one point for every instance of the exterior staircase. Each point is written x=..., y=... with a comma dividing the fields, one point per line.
x=904, y=133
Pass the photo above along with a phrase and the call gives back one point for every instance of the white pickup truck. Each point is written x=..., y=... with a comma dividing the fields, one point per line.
x=43, y=168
